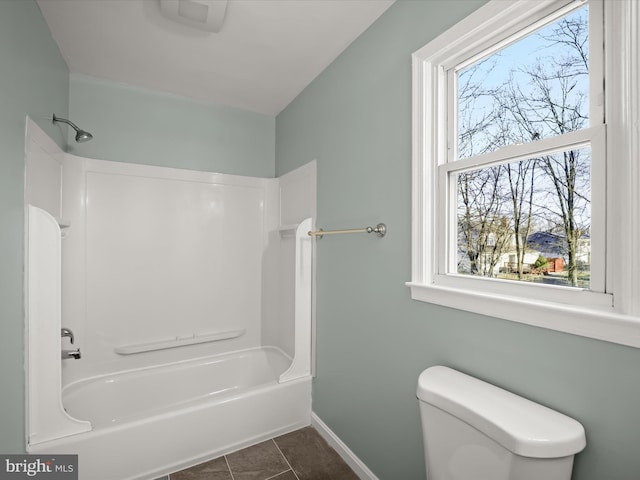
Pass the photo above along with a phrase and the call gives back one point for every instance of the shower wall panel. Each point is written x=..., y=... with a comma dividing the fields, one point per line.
x=296, y=192
x=158, y=255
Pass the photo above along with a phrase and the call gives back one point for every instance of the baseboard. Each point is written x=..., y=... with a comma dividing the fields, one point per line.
x=338, y=445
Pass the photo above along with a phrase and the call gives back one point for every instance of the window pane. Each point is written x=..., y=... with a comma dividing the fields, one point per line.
x=528, y=220
x=535, y=88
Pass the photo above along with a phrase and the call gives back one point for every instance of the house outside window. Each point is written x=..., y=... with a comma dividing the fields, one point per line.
x=523, y=165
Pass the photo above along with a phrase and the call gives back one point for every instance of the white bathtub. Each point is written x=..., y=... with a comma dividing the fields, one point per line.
x=149, y=422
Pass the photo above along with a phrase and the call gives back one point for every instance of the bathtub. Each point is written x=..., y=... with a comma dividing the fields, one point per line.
x=153, y=421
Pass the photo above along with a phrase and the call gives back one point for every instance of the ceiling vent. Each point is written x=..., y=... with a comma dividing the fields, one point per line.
x=202, y=14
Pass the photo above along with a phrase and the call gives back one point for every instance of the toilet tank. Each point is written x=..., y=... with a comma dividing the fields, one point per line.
x=475, y=431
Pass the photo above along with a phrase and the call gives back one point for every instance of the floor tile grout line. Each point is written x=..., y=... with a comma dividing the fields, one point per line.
x=229, y=467
x=285, y=458
x=278, y=474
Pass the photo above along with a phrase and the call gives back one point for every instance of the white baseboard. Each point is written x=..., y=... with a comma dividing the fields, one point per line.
x=338, y=445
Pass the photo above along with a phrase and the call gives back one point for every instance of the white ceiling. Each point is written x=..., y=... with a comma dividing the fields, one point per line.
x=266, y=53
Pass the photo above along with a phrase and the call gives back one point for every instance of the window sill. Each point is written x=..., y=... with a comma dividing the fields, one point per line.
x=601, y=324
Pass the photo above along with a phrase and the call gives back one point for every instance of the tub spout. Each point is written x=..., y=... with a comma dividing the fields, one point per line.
x=66, y=332
x=75, y=354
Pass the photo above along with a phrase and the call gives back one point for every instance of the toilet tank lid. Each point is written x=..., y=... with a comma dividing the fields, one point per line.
x=521, y=426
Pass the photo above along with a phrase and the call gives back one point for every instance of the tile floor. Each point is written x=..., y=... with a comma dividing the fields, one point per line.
x=299, y=455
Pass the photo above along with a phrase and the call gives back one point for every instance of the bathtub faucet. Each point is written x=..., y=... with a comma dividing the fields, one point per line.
x=67, y=354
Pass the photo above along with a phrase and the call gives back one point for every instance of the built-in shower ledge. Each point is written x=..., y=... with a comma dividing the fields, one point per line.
x=178, y=342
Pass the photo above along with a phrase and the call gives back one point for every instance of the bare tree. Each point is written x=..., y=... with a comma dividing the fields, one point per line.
x=557, y=105
x=521, y=183
x=479, y=219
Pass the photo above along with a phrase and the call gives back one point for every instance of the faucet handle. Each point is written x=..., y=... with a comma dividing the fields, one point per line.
x=66, y=332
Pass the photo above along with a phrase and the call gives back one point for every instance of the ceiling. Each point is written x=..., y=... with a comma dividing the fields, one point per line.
x=265, y=54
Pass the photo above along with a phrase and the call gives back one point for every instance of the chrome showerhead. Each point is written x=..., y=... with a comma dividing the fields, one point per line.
x=81, y=135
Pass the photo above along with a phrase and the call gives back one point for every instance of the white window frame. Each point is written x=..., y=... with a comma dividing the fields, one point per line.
x=613, y=313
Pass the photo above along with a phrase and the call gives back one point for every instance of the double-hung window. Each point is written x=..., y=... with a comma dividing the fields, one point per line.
x=524, y=166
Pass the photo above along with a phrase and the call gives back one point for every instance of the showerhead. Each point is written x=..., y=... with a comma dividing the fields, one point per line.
x=81, y=135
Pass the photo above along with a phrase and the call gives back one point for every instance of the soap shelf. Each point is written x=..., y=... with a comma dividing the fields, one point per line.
x=178, y=342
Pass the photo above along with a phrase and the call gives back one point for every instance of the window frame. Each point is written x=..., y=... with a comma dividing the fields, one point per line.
x=613, y=315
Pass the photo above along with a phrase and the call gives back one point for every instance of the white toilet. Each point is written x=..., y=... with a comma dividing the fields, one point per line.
x=476, y=431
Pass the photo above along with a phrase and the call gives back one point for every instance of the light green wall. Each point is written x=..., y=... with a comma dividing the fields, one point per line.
x=34, y=81
x=372, y=339
x=135, y=125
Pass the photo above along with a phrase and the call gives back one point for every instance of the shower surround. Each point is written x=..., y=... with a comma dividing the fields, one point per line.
x=189, y=295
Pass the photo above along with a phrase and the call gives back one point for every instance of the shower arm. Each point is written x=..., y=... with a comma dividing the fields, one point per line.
x=68, y=122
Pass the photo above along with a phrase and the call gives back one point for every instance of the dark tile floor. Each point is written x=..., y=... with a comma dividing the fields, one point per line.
x=299, y=455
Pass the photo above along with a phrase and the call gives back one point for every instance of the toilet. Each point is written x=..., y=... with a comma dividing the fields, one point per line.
x=473, y=430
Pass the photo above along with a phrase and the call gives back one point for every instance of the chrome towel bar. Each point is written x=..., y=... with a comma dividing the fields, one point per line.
x=380, y=230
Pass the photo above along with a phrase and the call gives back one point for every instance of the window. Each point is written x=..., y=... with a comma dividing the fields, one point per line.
x=524, y=166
